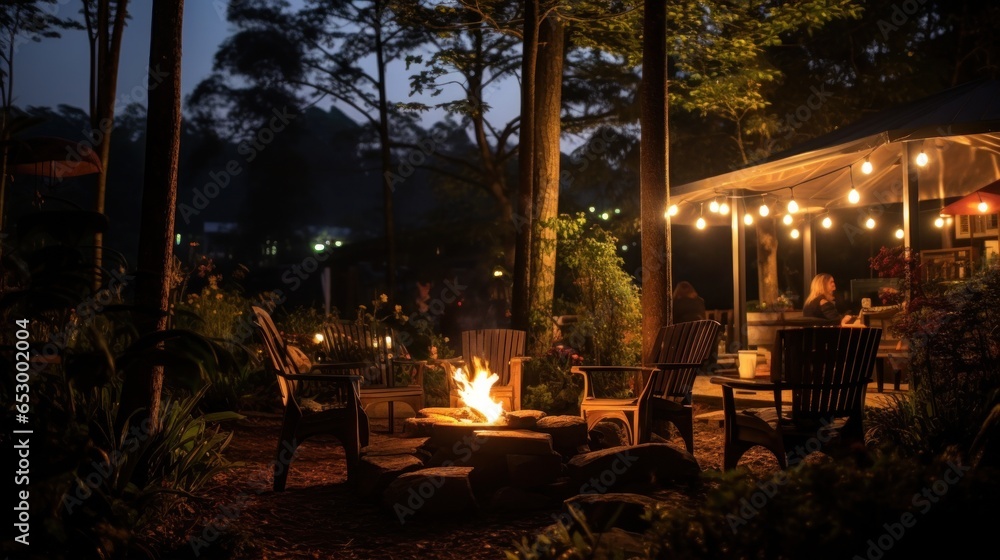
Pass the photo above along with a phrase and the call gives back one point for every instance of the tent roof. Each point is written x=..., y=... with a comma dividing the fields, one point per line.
x=958, y=129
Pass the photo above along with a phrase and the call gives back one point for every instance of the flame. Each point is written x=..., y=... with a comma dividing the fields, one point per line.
x=475, y=393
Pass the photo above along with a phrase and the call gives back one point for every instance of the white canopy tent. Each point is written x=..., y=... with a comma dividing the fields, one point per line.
x=958, y=130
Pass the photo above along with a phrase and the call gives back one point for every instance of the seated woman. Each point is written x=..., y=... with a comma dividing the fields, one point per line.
x=687, y=304
x=820, y=303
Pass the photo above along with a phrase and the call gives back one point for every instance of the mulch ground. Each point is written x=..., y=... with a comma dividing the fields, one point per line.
x=320, y=516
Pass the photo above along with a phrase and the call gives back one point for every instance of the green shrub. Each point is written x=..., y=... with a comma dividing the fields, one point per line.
x=550, y=386
x=954, y=369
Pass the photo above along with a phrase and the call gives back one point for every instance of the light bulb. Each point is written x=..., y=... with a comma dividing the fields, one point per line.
x=723, y=208
x=763, y=210
x=866, y=167
x=672, y=211
x=827, y=222
x=713, y=206
x=853, y=197
x=921, y=159
x=983, y=207
x=899, y=233
x=870, y=223
x=939, y=222
x=794, y=233
x=787, y=220
x=748, y=218
x=793, y=206
x=700, y=224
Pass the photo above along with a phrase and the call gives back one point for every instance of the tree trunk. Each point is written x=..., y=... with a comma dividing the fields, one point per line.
x=653, y=166
x=548, y=104
x=767, y=260
x=525, y=151
x=141, y=389
x=104, y=57
x=386, y=159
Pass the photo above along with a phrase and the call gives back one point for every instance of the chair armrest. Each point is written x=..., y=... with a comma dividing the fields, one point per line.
x=588, y=371
x=743, y=385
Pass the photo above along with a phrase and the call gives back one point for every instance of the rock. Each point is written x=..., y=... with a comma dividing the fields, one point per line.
x=523, y=419
x=430, y=492
x=395, y=446
x=533, y=471
x=613, y=510
x=376, y=472
x=464, y=413
x=569, y=433
x=423, y=427
x=608, y=434
x=608, y=469
x=506, y=442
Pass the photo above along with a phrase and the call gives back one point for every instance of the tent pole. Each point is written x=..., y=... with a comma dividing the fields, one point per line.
x=739, y=273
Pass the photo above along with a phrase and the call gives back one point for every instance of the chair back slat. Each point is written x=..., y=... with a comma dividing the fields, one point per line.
x=350, y=341
x=496, y=347
x=681, y=343
x=277, y=359
x=827, y=369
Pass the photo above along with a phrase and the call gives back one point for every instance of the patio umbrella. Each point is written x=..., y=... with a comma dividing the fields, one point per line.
x=53, y=157
x=968, y=205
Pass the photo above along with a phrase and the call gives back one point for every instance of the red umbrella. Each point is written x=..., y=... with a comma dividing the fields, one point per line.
x=968, y=205
x=53, y=157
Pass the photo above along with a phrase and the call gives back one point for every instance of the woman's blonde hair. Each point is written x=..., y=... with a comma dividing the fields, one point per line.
x=817, y=289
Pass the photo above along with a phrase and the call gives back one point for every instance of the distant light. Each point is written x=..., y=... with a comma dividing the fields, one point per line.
x=866, y=167
x=319, y=247
x=713, y=206
x=338, y=243
x=618, y=210
x=870, y=223
x=939, y=221
x=605, y=216
x=700, y=224
x=787, y=220
x=592, y=209
x=900, y=233
x=748, y=219
x=624, y=247
x=318, y=338
x=983, y=207
x=723, y=208
x=921, y=159
x=497, y=272
x=794, y=233
x=853, y=197
x=827, y=222
x=177, y=239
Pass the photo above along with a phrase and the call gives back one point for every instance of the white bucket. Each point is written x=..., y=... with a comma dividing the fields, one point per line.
x=748, y=364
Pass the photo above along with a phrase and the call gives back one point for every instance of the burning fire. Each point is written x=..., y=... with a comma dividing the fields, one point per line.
x=475, y=393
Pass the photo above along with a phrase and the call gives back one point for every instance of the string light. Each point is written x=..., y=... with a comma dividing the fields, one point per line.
x=939, y=222
x=870, y=223
x=866, y=167
x=794, y=233
x=700, y=224
x=983, y=207
x=763, y=210
x=748, y=219
x=921, y=159
x=827, y=222
x=899, y=233
x=724, y=207
x=714, y=206
x=787, y=220
x=853, y=197
x=793, y=206
x=672, y=211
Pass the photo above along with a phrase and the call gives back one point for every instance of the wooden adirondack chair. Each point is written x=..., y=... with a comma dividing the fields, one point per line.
x=388, y=376
x=667, y=380
x=503, y=352
x=332, y=407
x=827, y=371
